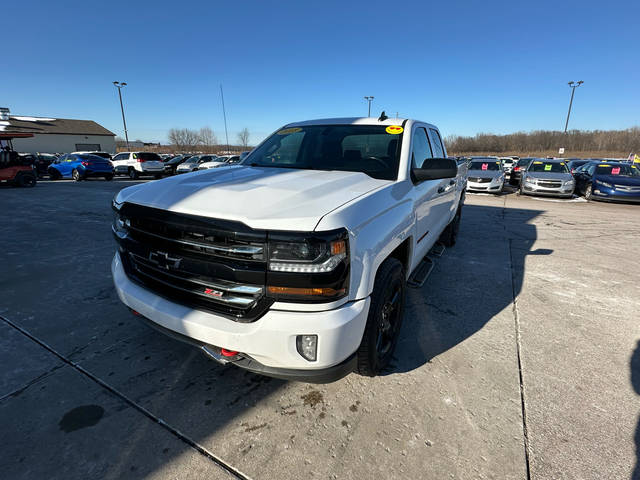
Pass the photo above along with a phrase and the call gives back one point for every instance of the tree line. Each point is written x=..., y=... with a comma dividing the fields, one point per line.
x=623, y=141
x=205, y=138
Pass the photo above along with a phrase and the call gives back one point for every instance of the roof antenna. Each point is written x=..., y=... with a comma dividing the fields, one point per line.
x=382, y=117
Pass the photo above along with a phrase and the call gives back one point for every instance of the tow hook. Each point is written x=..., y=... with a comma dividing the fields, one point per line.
x=220, y=355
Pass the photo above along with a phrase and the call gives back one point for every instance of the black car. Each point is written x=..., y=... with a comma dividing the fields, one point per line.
x=575, y=163
x=516, y=173
x=39, y=161
x=171, y=164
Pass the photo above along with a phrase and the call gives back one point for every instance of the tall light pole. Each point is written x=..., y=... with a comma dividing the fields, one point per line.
x=119, y=86
x=573, y=86
x=224, y=113
x=369, y=99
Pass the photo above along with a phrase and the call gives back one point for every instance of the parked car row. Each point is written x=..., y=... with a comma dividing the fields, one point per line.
x=595, y=179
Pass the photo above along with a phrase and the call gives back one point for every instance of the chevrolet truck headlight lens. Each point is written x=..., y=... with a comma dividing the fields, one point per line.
x=306, y=256
x=120, y=225
x=308, y=267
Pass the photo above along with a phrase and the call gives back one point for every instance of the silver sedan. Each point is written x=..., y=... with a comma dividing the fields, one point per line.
x=485, y=175
x=547, y=177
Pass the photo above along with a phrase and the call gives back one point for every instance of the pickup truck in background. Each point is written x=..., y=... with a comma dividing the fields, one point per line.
x=295, y=262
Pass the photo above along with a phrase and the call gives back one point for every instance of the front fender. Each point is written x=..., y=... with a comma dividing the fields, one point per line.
x=377, y=225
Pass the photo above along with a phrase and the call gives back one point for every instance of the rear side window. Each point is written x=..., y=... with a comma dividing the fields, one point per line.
x=436, y=143
x=421, y=148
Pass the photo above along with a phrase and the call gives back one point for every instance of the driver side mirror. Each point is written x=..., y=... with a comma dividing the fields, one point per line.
x=435, y=169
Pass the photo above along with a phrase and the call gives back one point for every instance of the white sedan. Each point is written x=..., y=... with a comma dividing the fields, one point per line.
x=221, y=161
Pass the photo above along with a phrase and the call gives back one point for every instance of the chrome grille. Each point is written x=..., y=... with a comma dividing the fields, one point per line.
x=479, y=180
x=549, y=184
x=627, y=188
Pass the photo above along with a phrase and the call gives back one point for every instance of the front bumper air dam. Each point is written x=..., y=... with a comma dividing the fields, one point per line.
x=269, y=342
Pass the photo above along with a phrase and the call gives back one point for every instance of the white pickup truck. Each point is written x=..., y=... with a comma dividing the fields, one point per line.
x=293, y=263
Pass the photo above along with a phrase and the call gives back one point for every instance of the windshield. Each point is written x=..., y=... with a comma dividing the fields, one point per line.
x=617, y=169
x=369, y=149
x=548, y=167
x=486, y=165
x=192, y=159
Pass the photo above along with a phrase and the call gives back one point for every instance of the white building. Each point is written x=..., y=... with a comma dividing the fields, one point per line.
x=58, y=135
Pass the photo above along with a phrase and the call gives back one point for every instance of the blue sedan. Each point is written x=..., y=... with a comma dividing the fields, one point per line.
x=611, y=181
x=80, y=166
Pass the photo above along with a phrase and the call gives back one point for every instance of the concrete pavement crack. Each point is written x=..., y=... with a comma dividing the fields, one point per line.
x=516, y=321
x=174, y=431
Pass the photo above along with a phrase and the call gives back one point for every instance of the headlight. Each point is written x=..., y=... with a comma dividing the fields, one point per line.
x=569, y=182
x=604, y=184
x=120, y=224
x=532, y=181
x=309, y=267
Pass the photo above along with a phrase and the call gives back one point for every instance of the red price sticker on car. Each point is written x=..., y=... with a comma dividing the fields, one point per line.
x=485, y=166
x=615, y=171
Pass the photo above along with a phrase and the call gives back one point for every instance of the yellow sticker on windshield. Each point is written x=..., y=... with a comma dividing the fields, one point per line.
x=604, y=165
x=287, y=131
x=561, y=163
x=547, y=167
x=394, y=129
x=537, y=163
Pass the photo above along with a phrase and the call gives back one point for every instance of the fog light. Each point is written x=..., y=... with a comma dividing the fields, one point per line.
x=307, y=346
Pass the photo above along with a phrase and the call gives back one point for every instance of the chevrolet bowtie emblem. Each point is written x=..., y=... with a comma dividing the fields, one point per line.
x=163, y=260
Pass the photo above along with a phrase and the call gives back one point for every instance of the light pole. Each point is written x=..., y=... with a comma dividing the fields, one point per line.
x=369, y=99
x=119, y=86
x=573, y=86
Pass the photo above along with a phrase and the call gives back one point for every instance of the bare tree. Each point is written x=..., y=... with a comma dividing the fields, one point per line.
x=243, y=137
x=183, y=137
x=206, y=137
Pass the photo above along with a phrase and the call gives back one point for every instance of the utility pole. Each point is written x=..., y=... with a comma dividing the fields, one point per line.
x=224, y=113
x=369, y=99
x=119, y=86
x=573, y=86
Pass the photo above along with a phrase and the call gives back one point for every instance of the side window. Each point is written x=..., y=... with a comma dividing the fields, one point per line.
x=120, y=156
x=591, y=169
x=70, y=158
x=436, y=143
x=421, y=149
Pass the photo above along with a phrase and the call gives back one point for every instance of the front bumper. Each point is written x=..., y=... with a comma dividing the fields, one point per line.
x=613, y=195
x=566, y=192
x=268, y=345
x=484, y=187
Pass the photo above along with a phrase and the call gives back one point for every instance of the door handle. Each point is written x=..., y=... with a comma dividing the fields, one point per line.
x=440, y=189
x=452, y=182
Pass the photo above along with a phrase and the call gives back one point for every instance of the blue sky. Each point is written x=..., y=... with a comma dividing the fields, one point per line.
x=468, y=67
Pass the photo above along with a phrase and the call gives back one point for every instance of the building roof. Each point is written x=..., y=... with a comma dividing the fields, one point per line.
x=65, y=126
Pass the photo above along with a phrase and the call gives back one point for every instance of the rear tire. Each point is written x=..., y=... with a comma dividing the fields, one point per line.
x=108, y=177
x=76, y=175
x=450, y=234
x=384, y=320
x=27, y=180
x=133, y=174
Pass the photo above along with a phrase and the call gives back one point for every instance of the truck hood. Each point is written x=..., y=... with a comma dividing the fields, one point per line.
x=260, y=197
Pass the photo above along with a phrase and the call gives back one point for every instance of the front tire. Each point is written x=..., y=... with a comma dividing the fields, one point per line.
x=76, y=175
x=384, y=320
x=108, y=177
x=54, y=174
x=588, y=192
x=133, y=174
x=157, y=176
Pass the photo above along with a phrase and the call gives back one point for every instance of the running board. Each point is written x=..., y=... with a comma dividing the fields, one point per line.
x=424, y=269
x=421, y=273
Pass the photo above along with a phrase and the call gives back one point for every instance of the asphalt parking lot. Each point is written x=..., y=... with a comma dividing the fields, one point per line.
x=518, y=358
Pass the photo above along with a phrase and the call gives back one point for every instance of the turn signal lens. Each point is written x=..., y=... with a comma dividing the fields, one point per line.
x=322, y=292
x=338, y=247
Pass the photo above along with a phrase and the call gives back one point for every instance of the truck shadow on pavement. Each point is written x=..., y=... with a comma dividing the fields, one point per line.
x=471, y=283
x=634, y=365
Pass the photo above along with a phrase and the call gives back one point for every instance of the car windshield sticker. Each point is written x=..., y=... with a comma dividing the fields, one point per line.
x=561, y=163
x=287, y=131
x=537, y=163
x=394, y=129
x=135, y=155
x=547, y=167
x=615, y=171
x=603, y=165
x=485, y=166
